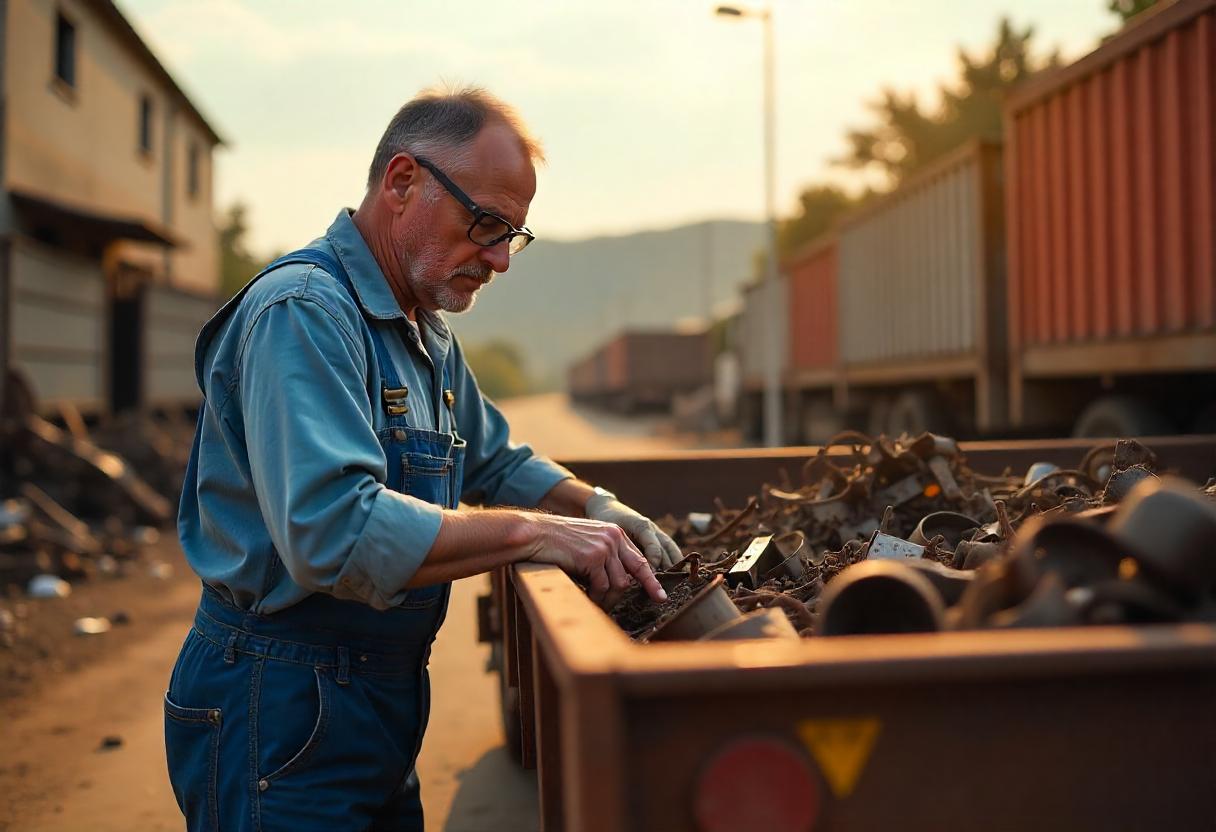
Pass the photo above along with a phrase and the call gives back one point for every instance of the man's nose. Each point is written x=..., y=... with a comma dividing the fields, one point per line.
x=497, y=257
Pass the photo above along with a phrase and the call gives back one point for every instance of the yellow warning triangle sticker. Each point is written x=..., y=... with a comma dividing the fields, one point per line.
x=841, y=747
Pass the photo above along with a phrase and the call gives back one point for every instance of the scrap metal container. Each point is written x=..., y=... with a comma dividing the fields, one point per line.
x=1111, y=164
x=813, y=331
x=172, y=321
x=645, y=370
x=1106, y=728
x=921, y=279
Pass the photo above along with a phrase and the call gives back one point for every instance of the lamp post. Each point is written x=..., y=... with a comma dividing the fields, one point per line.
x=771, y=300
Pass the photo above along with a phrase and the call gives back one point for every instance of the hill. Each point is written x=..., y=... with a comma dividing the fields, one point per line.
x=563, y=297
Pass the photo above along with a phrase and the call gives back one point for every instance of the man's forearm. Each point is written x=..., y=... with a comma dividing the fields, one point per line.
x=568, y=497
x=472, y=542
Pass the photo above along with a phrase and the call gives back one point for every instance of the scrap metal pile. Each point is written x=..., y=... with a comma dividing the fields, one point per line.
x=906, y=537
x=71, y=508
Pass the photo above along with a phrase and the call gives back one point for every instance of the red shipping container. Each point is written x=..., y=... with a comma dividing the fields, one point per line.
x=813, y=332
x=1111, y=167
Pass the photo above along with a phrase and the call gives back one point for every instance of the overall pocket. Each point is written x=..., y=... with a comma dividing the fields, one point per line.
x=426, y=477
x=293, y=717
x=192, y=749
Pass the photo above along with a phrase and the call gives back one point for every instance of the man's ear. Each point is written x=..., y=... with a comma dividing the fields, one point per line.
x=400, y=178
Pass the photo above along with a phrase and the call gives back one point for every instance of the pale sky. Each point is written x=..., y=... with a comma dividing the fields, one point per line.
x=649, y=110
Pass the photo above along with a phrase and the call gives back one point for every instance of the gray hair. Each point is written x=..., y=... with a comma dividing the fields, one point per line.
x=441, y=123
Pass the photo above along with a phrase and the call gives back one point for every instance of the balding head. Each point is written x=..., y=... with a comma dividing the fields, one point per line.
x=441, y=125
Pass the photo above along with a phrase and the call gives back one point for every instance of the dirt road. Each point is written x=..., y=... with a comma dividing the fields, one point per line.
x=66, y=697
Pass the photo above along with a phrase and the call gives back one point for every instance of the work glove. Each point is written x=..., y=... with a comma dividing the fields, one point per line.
x=660, y=550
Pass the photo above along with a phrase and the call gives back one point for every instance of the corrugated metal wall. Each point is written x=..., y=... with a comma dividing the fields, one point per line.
x=1113, y=225
x=910, y=268
x=172, y=321
x=59, y=324
x=754, y=326
x=812, y=326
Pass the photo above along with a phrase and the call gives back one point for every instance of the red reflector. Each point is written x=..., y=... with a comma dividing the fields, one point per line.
x=757, y=784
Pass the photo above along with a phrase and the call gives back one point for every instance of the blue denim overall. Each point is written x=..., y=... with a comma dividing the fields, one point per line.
x=312, y=717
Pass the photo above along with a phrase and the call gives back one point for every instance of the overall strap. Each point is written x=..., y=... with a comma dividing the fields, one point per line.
x=393, y=392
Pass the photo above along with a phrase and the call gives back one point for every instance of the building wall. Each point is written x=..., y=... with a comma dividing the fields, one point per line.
x=81, y=146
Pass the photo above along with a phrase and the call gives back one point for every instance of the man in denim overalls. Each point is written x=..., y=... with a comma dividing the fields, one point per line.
x=340, y=430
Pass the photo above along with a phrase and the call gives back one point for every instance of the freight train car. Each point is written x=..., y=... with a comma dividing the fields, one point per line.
x=643, y=370
x=1112, y=233
x=1070, y=288
x=754, y=329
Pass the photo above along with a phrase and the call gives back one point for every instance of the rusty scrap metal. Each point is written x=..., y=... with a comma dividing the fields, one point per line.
x=1051, y=546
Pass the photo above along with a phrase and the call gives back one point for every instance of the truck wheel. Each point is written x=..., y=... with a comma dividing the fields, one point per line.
x=917, y=411
x=1117, y=417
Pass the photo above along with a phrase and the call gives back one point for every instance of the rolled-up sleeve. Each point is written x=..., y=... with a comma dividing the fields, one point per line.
x=316, y=464
x=497, y=471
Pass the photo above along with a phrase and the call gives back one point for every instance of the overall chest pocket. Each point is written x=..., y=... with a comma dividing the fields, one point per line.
x=427, y=477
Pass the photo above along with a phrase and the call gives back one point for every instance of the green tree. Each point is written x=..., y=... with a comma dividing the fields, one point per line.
x=1127, y=9
x=819, y=206
x=237, y=265
x=906, y=137
x=500, y=369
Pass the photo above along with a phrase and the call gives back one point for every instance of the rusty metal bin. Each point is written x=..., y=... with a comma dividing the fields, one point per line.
x=1095, y=728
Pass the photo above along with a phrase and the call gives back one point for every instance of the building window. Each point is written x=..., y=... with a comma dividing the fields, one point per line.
x=145, y=123
x=192, y=163
x=65, y=51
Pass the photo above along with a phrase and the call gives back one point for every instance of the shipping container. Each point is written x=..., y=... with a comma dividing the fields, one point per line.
x=172, y=321
x=1021, y=729
x=921, y=275
x=1111, y=165
x=813, y=333
x=755, y=325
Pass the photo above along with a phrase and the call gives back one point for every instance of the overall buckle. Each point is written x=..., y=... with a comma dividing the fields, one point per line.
x=394, y=400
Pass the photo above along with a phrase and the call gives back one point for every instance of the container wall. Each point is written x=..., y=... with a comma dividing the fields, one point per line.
x=911, y=269
x=172, y=320
x=59, y=324
x=754, y=327
x=813, y=332
x=1113, y=230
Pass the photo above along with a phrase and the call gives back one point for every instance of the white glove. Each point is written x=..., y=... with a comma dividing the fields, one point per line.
x=660, y=550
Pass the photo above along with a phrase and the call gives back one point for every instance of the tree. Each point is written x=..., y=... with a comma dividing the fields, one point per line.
x=906, y=137
x=1127, y=9
x=237, y=265
x=819, y=205
x=500, y=369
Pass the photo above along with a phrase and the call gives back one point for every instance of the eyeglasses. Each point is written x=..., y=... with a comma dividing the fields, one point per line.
x=487, y=229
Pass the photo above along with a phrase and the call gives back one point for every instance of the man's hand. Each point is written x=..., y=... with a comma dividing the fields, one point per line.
x=660, y=550
x=599, y=552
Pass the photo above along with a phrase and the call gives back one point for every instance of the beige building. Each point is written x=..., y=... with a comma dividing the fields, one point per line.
x=109, y=261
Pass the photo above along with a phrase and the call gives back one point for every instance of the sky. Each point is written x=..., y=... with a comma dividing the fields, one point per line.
x=649, y=110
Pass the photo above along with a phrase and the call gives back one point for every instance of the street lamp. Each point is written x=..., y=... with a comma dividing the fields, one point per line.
x=771, y=298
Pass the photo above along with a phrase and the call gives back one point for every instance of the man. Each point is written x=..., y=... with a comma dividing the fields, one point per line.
x=341, y=428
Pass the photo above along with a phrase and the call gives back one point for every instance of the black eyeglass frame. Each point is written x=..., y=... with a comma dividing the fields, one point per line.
x=479, y=213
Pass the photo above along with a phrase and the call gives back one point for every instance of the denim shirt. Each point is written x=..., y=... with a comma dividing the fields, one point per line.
x=287, y=466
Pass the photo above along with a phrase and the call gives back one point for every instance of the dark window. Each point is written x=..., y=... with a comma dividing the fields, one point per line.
x=145, y=123
x=65, y=51
x=192, y=163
